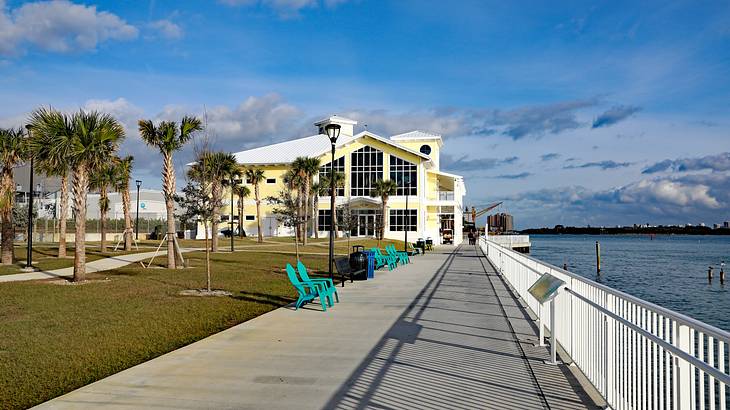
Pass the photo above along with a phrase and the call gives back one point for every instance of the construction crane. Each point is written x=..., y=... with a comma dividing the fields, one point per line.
x=476, y=214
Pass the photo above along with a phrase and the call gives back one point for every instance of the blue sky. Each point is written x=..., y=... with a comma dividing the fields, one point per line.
x=595, y=113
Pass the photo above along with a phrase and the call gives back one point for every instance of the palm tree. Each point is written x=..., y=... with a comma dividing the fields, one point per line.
x=121, y=184
x=89, y=139
x=168, y=138
x=241, y=191
x=53, y=161
x=12, y=151
x=103, y=179
x=310, y=168
x=383, y=188
x=255, y=176
x=339, y=183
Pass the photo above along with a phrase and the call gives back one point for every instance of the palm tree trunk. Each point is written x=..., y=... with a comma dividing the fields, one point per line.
x=305, y=225
x=104, y=204
x=8, y=229
x=63, y=211
x=168, y=183
x=207, y=255
x=216, y=194
x=240, y=217
x=258, y=212
x=315, y=212
x=80, y=189
x=382, y=219
x=334, y=221
x=127, y=220
x=298, y=225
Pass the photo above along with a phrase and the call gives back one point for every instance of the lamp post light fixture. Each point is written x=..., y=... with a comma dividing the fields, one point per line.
x=333, y=132
x=136, y=219
x=29, y=255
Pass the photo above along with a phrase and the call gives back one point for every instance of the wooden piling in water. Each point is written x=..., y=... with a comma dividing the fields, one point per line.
x=598, y=258
x=709, y=274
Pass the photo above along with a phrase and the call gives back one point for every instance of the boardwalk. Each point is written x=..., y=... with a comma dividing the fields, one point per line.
x=441, y=332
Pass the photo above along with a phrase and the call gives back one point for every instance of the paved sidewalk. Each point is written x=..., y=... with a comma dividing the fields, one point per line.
x=438, y=333
x=98, y=265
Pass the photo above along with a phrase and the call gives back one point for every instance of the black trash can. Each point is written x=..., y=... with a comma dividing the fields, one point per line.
x=359, y=261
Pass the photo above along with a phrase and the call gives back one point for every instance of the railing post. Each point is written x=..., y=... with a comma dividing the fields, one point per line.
x=683, y=370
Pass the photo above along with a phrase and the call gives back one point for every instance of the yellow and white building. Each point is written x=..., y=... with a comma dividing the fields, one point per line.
x=435, y=197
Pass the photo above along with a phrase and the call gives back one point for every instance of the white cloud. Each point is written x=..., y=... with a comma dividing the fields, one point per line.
x=668, y=192
x=168, y=29
x=59, y=26
x=285, y=8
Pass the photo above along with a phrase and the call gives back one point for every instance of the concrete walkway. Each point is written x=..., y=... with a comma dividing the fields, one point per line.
x=109, y=263
x=438, y=333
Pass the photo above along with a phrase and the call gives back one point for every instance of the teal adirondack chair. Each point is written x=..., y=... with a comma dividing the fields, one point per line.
x=327, y=282
x=402, y=256
x=314, y=291
x=383, y=260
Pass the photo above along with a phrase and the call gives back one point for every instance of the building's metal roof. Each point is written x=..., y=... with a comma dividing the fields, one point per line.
x=312, y=146
x=416, y=135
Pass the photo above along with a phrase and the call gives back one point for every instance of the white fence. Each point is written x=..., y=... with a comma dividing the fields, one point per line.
x=638, y=355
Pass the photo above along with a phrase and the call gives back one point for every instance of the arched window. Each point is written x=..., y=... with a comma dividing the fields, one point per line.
x=399, y=170
x=366, y=167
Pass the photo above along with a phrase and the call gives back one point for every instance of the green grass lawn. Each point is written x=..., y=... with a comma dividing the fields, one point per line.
x=56, y=338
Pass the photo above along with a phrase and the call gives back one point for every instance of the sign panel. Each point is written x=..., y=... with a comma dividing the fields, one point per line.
x=545, y=288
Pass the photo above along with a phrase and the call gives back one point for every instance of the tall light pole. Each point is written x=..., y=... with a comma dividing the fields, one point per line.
x=407, y=181
x=333, y=132
x=239, y=216
x=29, y=257
x=136, y=220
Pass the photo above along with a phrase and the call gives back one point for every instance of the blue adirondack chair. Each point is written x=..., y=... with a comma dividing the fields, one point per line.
x=327, y=282
x=383, y=260
x=308, y=291
x=402, y=256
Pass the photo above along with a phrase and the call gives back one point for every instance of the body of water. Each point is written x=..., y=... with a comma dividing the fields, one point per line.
x=668, y=270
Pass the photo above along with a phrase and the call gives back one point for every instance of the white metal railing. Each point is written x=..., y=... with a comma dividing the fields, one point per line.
x=446, y=195
x=638, y=355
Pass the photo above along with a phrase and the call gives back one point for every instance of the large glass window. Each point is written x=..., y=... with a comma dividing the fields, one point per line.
x=401, y=220
x=325, y=170
x=399, y=170
x=366, y=167
x=324, y=219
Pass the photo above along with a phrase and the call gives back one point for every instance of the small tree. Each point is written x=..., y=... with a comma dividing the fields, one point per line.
x=286, y=211
x=197, y=204
x=348, y=219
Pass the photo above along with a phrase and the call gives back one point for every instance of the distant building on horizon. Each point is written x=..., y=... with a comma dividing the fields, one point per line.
x=500, y=222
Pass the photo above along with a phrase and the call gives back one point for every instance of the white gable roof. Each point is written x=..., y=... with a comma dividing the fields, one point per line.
x=312, y=146
x=417, y=135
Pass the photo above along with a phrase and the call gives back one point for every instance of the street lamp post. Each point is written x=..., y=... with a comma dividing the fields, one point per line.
x=136, y=219
x=239, y=216
x=407, y=180
x=29, y=257
x=333, y=132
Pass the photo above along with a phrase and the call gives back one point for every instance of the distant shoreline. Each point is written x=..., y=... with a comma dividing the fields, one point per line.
x=659, y=230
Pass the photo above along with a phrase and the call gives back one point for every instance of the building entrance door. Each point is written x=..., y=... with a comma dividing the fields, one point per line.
x=366, y=222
